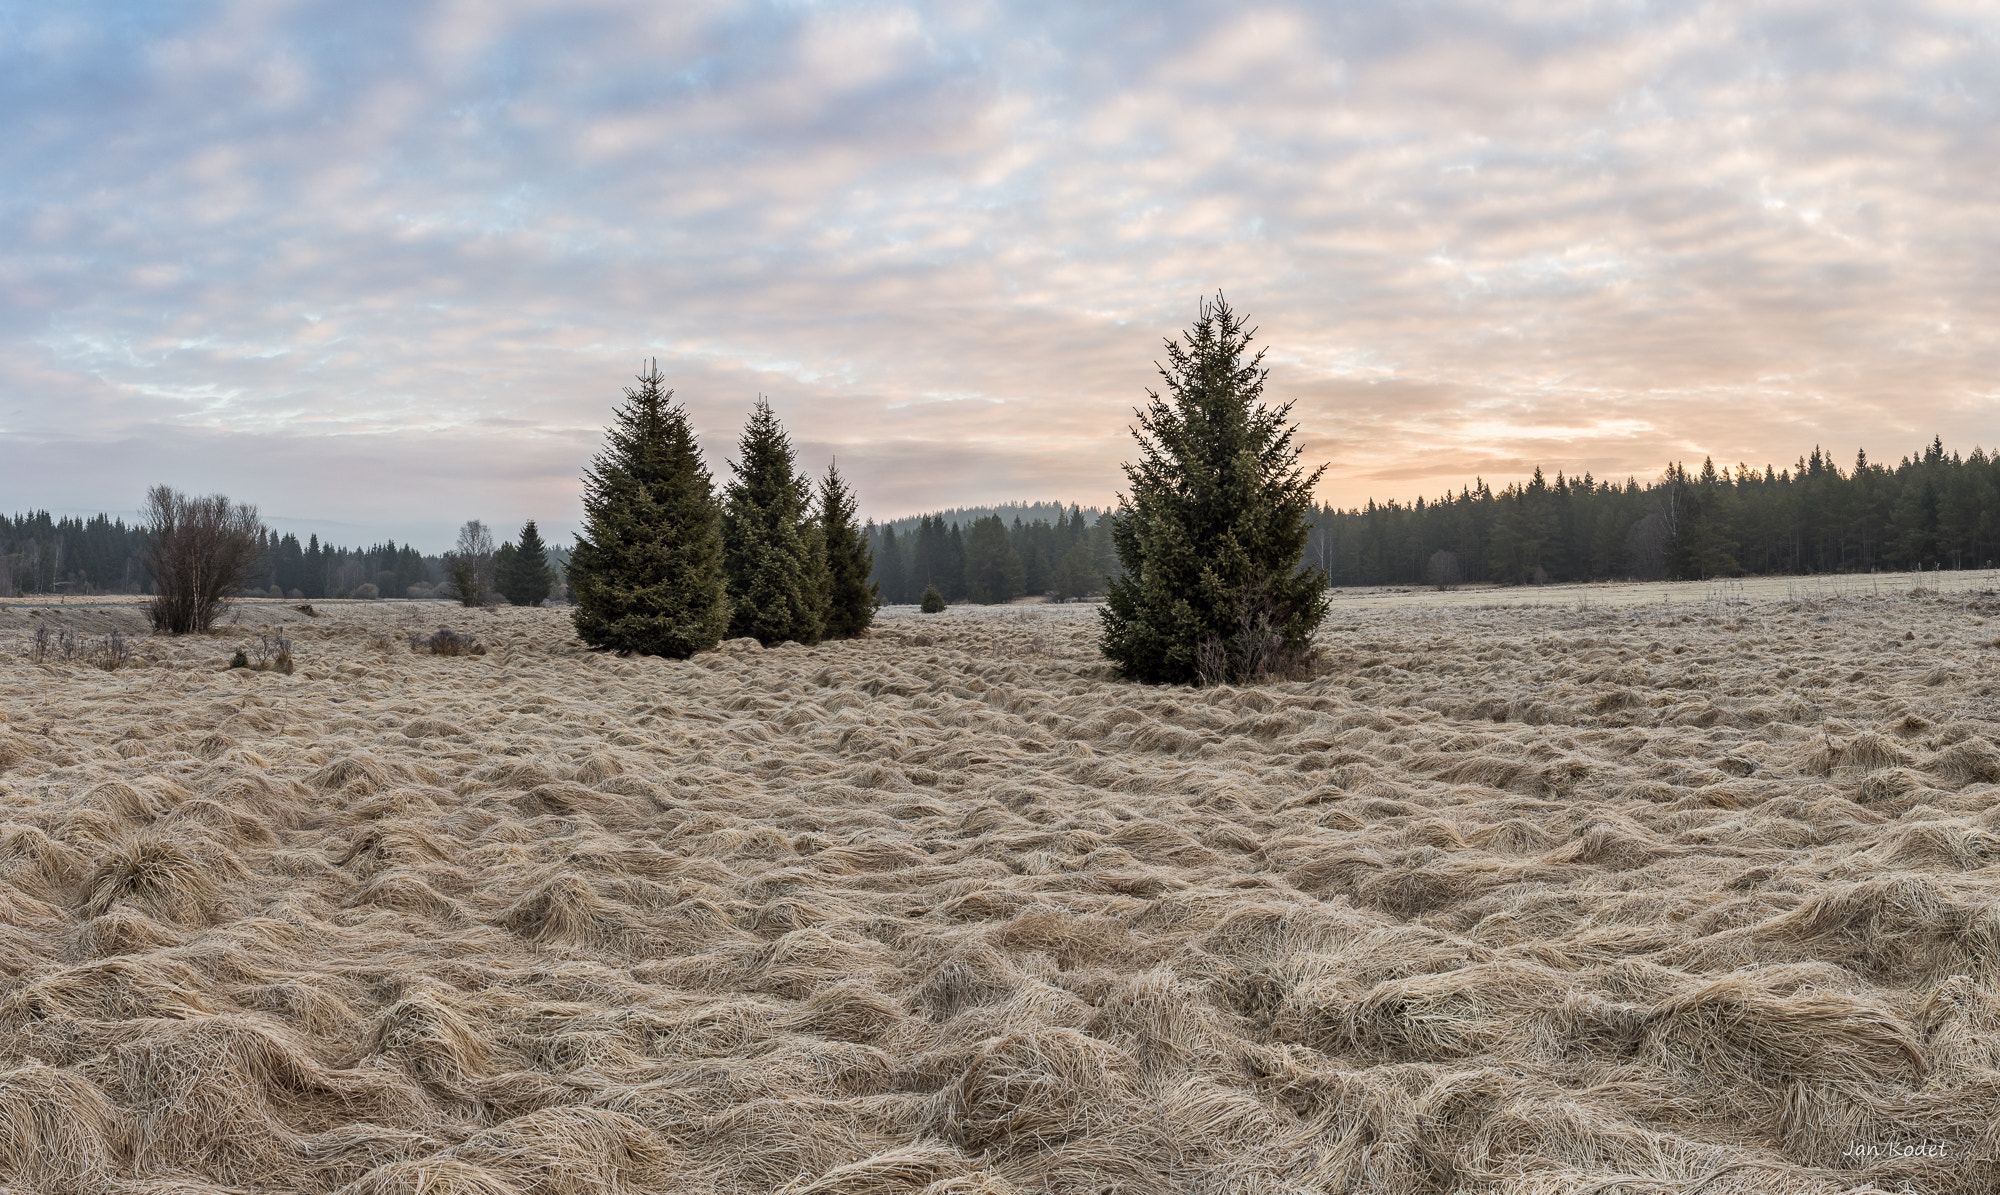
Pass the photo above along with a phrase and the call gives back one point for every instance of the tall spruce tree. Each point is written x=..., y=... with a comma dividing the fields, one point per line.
x=1211, y=536
x=851, y=596
x=646, y=573
x=774, y=552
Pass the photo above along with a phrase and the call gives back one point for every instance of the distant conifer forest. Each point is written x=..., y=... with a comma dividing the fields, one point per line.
x=40, y=554
x=1932, y=509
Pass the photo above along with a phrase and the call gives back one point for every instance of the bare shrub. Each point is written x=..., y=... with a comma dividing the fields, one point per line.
x=113, y=652
x=40, y=644
x=199, y=550
x=1256, y=653
x=367, y=591
x=274, y=653
x=447, y=642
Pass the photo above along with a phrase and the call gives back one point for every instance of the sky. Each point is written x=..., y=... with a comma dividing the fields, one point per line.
x=379, y=268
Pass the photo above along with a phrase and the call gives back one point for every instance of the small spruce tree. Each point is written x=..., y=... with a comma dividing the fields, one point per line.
x=1211, y=536
x=530, y=568
x=851, y=596
x=932, y=602
x=646, y=573
x=774, y=554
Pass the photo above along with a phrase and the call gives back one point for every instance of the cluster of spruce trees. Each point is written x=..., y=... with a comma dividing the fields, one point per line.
x=664, y=568
x=1933, y=509
x=986, y=561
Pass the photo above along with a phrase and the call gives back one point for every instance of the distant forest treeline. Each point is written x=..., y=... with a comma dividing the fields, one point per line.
x=1026, y=513
x=983, y=558
x=40, y=554
x=1932, y=509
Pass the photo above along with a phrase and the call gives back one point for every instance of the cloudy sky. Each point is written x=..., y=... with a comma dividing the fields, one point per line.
x=381, y=267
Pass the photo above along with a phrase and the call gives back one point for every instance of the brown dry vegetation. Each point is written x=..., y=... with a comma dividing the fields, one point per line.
x=1653, y=897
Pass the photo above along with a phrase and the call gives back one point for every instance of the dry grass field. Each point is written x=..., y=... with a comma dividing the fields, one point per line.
x=1634, y=890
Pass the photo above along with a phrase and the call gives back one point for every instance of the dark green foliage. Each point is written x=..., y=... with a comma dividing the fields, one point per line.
x=938, y=561
x=890, y=576
x=1075, y=576
x=465, y=584
x=1931, y=510
x=932, y=601
x=521, y=574
x=1212, y=533
x=240, y=659
x=1695, y=516
x=42, y=554
x=993, y=570
x=774, y=553
x=506, y=558
x=646, y=573
x=851, y=598
x=1065, y=557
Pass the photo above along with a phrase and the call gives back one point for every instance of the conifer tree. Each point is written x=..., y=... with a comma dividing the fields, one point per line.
x=1212, y=533
x=851, y=596
x=521, y=572
x=532, y=576
x=774, y=553
x=646, y=573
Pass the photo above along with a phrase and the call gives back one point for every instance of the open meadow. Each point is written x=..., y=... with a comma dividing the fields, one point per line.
x=1631, y=888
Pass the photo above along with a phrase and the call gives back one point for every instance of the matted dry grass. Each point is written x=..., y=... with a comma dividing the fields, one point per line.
x=1625, y=896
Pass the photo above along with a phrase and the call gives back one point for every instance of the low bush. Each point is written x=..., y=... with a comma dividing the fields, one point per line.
x=447, y=642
